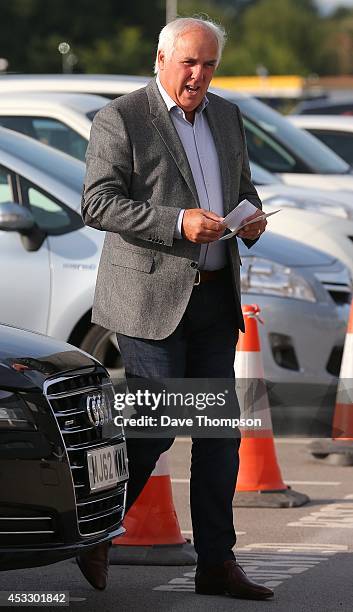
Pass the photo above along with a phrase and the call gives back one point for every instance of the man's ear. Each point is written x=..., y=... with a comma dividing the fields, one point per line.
x=161, y=59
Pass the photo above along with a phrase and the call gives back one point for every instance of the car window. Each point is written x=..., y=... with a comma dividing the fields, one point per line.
x=50, y=131
x=260, y=176
x=340, y=142
x=109, y=94
x=5, y=186
x=91, y=115
x=63, y=169
x=19, y=124
x=325, y=109
x=265, y=151
x=50, y=215
x=309, y=153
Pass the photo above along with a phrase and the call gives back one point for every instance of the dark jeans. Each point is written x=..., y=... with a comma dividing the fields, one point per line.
x=202, y=346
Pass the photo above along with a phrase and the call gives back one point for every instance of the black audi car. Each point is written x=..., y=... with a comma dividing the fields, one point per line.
x=63, y=463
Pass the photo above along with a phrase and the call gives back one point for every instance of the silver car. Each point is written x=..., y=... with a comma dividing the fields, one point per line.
x=49, y=266
x=273, y=142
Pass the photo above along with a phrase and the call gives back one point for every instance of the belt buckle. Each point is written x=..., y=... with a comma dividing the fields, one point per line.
x=197, y=280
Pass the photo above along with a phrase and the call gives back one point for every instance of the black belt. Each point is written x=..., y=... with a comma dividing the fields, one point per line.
x=206, y=276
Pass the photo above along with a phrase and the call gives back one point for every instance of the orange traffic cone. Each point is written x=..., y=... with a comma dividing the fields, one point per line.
x=259, y=480
x=339, y=450
x=153, y=535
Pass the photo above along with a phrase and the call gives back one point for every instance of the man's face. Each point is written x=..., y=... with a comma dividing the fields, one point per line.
x=186, y=75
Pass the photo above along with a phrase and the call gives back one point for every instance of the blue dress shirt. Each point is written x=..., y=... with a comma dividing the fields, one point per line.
x=202, y=156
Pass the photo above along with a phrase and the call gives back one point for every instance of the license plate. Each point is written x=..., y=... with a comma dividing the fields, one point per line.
x=107, y=466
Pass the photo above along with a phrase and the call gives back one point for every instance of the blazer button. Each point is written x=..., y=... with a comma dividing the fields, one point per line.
x=193, y=264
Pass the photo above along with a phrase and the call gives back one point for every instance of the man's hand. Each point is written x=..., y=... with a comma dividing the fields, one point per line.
x=254, y=230
x=200, y=225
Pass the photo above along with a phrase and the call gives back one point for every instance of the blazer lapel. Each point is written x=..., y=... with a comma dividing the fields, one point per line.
x=164, y=126
x=220, y=139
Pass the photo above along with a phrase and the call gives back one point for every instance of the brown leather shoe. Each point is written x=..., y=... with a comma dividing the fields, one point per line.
x=229, y=579
x=94, y=564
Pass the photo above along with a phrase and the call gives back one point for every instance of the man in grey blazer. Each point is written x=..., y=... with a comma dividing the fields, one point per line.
x=165, y=164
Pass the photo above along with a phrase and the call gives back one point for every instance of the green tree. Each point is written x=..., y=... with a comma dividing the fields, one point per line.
x=31, y=29
x=336, y=52
x=112, y=36
x=126, y=52
x=282, y=36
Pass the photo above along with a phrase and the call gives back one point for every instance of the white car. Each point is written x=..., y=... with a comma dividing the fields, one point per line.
x=64, y=121
x=61, y=120
x=318, y=218
x=108, y=85
x=273, y=142
x=334, y=131
x=50, y=260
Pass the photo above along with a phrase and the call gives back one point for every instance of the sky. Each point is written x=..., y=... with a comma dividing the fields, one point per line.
x=326, y=6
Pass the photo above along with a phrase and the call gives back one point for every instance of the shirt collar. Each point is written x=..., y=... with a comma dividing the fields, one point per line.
x=170, y=103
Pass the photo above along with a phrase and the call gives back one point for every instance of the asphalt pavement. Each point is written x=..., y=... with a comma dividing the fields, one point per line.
x=305, y=554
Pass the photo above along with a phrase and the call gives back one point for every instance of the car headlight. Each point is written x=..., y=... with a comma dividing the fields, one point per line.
x=266, y=277
x=13, y=412
x=327, y=208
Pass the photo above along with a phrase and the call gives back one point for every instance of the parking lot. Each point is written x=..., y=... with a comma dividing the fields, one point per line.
x=305, y=554
x=120, y=290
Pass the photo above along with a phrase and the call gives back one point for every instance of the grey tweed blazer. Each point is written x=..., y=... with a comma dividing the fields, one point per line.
x=137, y=180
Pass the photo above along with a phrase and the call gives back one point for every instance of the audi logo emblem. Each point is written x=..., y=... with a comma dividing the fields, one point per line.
x=96, y=410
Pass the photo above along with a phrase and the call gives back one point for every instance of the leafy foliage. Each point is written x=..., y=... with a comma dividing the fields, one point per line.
x=113, y=36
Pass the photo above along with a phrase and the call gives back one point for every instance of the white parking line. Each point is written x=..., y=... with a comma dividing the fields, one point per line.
x=277, y=440
x=293, y=440
x=330, y=483
x=334, y=516
x=267, y=567
x=190, y=533
x=78, y=598
x=327, y=549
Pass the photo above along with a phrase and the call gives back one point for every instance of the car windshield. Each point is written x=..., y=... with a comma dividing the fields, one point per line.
x=61, y=167
x=91, y=115
x=260, y=176
x=281, y=147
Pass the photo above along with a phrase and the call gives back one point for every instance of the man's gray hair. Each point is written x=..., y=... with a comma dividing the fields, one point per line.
x=169, y=34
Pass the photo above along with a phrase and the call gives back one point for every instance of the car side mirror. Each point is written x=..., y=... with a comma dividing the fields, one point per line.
x=15, y=218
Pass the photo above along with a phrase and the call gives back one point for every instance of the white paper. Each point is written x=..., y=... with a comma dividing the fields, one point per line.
x=243, y=224
x=235, y=218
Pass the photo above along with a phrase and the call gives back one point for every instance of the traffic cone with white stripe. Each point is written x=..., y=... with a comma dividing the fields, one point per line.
x=339, y=450
x=259, y=482
x=153, y=535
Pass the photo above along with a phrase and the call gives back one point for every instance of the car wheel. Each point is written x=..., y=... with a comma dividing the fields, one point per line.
x=103, y=345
